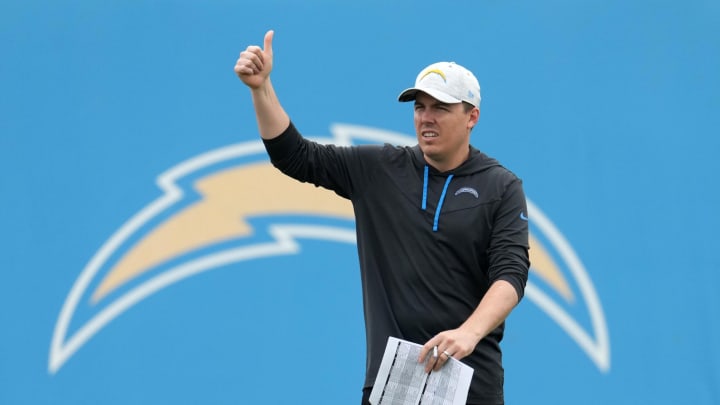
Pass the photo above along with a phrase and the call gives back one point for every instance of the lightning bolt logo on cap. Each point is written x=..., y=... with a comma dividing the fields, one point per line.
x=431, y=71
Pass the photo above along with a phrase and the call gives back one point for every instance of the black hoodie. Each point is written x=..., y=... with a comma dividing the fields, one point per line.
x=430, y=244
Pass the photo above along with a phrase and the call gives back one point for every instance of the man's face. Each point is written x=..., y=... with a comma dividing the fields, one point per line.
x=443, y=131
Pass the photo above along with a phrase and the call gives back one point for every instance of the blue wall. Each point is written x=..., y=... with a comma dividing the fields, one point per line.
x=114, y=116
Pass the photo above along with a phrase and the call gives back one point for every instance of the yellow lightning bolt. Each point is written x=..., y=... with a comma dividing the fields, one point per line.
x=436, y=71
x=230, y=196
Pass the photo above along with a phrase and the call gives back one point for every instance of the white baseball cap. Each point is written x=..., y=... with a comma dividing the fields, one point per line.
x=447, y=82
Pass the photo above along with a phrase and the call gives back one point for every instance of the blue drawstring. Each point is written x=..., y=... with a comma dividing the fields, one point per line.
x=440, y=203
x=442, y=197
x=425, y=184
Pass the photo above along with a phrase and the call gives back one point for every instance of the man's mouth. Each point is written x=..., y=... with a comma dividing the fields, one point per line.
x=429, y=134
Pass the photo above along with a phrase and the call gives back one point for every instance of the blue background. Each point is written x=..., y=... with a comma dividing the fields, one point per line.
x=608, y=110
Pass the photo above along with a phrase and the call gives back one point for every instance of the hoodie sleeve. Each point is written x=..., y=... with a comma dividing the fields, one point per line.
x=333, y=167
x=508, y=254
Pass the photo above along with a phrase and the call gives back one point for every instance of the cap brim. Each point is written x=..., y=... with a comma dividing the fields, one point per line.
x=411, y=93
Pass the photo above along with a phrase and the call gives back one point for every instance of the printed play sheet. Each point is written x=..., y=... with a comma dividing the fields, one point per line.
x=401, y=380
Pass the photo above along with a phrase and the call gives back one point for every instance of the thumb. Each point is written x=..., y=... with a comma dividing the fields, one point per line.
x=268, y=42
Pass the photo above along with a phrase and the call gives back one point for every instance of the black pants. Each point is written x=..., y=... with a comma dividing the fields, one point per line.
x=366, y=396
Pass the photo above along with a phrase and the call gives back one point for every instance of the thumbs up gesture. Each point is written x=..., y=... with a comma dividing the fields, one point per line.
x=254, y=64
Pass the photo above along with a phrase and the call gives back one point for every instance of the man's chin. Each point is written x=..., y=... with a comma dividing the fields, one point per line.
x=428, y=147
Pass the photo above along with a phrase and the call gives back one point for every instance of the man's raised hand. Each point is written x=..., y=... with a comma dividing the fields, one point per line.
x=254, y=64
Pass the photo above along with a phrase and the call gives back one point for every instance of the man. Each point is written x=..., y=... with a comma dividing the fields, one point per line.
x=442, y=228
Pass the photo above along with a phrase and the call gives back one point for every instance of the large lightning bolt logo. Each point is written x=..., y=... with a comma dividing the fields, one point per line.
x=205, y=219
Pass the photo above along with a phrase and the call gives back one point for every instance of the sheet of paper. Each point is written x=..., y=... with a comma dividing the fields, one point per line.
x=401, y=380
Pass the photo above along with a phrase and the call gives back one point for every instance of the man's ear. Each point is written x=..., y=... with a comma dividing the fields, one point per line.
x=474, y=117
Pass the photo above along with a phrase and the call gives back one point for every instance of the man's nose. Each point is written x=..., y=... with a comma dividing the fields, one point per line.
x=426, y=115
